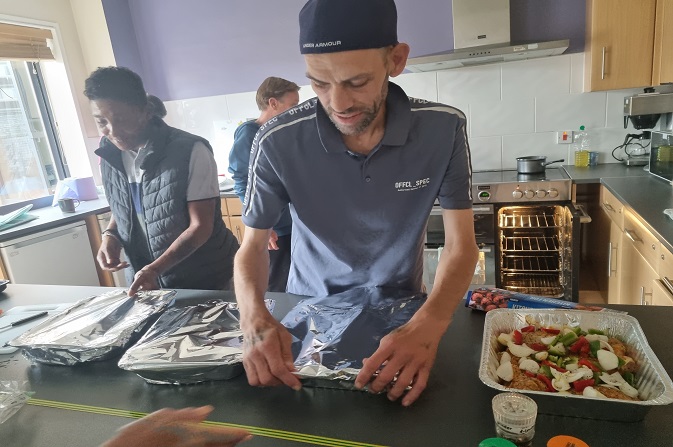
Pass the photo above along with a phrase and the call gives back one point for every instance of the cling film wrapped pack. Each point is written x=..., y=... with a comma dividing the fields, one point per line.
x=95, y=328
x=333, y=334
x=190, y=344
x=487, y=299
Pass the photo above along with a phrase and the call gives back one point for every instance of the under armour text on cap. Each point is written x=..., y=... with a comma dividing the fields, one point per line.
x=330, y=26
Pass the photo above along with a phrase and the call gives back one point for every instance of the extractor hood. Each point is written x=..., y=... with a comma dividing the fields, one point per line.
x=481, y=36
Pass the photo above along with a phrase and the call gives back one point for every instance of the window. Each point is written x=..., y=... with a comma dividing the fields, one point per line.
x=30, y=161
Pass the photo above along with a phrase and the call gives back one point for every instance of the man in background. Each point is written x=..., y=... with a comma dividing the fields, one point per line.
x=274, y=97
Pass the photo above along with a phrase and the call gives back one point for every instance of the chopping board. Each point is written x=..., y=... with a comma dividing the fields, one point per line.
x=19, y=312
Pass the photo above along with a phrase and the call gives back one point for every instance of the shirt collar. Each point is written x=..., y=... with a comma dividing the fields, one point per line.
x=398, y=122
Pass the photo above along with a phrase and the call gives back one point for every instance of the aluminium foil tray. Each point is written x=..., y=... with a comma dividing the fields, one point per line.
x=653, y=382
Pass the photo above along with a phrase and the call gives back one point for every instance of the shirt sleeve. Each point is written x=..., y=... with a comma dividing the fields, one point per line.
x=203, y=182
x=239, y=158
x=456, y=189
x=266, y=197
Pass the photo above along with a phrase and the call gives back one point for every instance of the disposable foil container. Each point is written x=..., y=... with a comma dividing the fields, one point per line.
x=190, y=344
x=333, y=334
x=653, y=383
x=95, y=328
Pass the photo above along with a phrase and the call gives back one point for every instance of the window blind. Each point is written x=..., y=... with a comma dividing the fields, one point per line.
x=24, y=42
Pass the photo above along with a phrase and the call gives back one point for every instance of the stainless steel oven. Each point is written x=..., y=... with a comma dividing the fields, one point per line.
x=536, y=231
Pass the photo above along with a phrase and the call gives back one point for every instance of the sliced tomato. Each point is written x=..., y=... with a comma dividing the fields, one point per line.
x=551, y=330
x=589, y=364
x=538, y=346
x=547, y=382
x=517, y=337
x=579, y=385
x=530, y=328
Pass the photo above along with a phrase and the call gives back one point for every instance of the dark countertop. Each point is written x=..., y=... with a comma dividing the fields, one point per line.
x=454, y=410
x=594, y=174
x=52, y=217
x=648, y=197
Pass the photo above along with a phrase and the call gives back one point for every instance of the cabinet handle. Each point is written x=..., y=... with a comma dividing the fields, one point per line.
x=608, y=207
x=632, y=235
x=603, y=65
x=610, y=269
x=642, y=297
x=667, y=283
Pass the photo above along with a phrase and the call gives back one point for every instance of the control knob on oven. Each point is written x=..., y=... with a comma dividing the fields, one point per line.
x=517, y=194
x=553, y=193
x=541, y=193
x=529, y=193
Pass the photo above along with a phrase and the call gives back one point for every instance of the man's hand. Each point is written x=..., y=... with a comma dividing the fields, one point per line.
x=109, y=255
x=273, y=240
x=266, y=353
x=407, y=354
x=145, y=279
x=177, y=428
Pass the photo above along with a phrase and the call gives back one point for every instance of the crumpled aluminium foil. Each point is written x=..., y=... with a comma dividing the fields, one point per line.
x=95, y=328
x=190, y=344
x=333, y=334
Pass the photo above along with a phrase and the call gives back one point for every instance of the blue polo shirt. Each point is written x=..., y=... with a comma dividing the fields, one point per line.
x=359, y=221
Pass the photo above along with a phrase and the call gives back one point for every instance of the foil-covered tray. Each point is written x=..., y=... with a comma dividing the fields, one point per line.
x=333, y=334
x=190, y=344
x=653, y=382
x=94, y=328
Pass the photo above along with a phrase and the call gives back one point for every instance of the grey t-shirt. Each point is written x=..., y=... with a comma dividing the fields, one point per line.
x=359, y=220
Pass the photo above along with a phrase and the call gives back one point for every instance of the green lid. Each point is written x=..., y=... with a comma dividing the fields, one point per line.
x=496, y=442
x=582, y=128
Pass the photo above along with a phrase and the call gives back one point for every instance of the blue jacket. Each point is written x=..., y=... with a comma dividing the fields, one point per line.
x=239, y=162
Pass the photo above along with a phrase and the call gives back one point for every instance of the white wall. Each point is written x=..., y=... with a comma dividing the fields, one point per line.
x=513, y=109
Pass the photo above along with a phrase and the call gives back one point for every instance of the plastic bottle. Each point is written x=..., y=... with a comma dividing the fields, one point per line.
x=582, y=145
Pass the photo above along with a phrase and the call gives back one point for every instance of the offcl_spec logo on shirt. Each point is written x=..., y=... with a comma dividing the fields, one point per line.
x=412, y=185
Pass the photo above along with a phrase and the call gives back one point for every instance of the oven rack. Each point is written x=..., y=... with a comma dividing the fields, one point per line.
x=526, y=244
x=530, y=221
x=543, y=285
x=528, y=264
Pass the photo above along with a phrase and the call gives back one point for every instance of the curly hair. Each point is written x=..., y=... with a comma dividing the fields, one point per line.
x=116, y=83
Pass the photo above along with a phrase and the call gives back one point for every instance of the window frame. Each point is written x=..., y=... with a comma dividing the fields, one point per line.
x=51, y=131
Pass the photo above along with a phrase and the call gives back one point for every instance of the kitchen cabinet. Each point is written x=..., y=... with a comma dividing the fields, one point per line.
x=232, y=209
x=620, y=43
x=614, y=262
x=637, y=276
x=662, y=71
x=660, y=294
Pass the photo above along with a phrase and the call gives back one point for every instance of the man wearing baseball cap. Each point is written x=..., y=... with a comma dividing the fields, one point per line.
x=360, y=167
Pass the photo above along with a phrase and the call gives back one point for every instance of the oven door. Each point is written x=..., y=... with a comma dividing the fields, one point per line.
x=484, y=226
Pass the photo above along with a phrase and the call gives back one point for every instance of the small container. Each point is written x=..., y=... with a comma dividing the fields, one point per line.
x=515, y=416
x=582, y=158
x=496, y=442
x=593, y=158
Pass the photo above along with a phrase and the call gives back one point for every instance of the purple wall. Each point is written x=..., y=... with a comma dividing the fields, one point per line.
x=212, y=47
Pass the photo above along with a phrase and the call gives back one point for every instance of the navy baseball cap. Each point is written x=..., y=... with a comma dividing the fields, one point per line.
x=330, y=26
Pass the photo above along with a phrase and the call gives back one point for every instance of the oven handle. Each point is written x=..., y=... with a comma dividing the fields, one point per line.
x=584, y=216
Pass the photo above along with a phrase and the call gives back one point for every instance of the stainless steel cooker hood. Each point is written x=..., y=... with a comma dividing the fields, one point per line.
x=482, y=36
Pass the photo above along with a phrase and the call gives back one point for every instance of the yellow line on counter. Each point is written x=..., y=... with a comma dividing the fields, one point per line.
x=257, y=431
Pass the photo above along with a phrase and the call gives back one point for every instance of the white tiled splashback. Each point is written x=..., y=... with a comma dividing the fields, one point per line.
x=513, y=109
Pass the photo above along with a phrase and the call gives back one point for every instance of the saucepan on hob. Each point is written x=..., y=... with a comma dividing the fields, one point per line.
x=534, y=164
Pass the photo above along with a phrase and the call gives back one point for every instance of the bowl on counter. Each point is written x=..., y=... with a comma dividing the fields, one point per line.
x=653, y=382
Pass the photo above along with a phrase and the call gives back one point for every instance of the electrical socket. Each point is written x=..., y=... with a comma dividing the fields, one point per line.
x=564, y=137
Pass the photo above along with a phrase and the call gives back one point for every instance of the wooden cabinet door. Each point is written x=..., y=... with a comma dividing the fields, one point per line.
x=237, y=227
x=662, y=69
x=637, y=276
x=614, y=263
x=660, y=295
x=619, y=44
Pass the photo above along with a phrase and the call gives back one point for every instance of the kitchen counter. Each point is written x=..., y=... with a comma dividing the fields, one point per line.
x=52, y=217
x=594, y=174
x=648, y=197
x=71, y=403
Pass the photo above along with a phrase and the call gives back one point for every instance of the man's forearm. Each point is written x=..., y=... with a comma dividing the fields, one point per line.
x=186, y=244
x=454, y=274
x=251, y=278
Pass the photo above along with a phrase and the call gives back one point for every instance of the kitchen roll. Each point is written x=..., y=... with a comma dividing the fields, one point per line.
x=81, y=188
